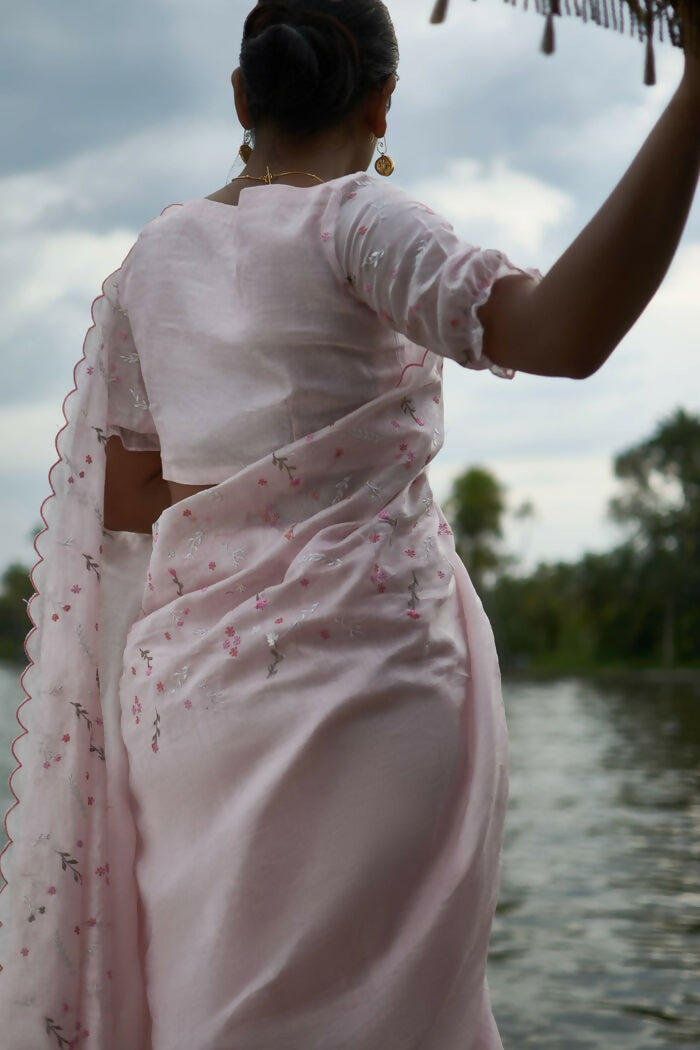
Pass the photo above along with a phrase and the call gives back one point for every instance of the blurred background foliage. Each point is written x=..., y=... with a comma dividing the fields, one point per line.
x=637, y=605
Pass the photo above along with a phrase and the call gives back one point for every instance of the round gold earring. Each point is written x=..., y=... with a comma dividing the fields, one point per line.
x=246, y=150
x=384, y=165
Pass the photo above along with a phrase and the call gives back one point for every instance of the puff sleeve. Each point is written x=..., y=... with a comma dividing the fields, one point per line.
x=404, y=261
x=128, y=410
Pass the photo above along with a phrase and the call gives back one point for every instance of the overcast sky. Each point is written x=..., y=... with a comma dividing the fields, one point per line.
x=111, y=112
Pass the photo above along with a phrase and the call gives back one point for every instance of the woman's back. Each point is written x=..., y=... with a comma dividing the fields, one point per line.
x=246, y=336
x=257, y=322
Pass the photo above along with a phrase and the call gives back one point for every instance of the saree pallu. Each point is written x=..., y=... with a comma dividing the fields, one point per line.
x=281, y=824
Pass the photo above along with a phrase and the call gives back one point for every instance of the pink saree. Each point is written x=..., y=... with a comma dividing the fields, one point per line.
x=262, y=783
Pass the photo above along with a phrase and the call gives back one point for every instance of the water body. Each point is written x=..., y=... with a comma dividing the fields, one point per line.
x=596, y=941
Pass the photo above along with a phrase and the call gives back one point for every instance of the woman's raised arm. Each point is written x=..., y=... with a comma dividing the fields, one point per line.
x=585, y=305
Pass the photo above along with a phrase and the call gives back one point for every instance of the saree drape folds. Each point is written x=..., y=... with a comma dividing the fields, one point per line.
x=264, y=778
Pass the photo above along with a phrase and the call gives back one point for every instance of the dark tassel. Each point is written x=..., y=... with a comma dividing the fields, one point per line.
x=650, y=67
x=548, y=43
x=439, y=12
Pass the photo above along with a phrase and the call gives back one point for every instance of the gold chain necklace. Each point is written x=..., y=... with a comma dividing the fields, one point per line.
x=268, y=176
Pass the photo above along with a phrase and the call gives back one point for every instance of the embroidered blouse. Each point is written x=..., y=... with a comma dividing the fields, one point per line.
x=245, y=327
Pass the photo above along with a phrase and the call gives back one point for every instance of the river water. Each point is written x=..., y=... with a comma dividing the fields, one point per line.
x=596, y=940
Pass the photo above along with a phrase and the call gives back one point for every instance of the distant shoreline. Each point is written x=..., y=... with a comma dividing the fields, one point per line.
x=643, y=675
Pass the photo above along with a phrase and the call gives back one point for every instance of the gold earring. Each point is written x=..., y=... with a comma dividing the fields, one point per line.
x=245, y=150
x=384, y=165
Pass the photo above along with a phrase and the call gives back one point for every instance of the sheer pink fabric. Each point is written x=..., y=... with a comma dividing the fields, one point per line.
x=262, y=785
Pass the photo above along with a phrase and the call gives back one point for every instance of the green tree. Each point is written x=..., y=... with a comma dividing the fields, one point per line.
x=14, y=619
x=475, y=508
x=660, y=505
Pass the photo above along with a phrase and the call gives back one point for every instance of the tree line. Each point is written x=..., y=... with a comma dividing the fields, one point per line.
x=635, y=606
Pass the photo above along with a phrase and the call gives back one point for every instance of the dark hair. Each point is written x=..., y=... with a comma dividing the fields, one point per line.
x=307, y=64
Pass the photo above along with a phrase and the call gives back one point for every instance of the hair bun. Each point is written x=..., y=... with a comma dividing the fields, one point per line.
x=307, y=63
x=281, y=66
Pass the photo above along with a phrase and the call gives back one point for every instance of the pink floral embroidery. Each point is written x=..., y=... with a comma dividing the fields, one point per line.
x=325, y=236
x=188, y=704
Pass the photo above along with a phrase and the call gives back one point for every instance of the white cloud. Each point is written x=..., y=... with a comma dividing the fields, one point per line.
x=494, y=205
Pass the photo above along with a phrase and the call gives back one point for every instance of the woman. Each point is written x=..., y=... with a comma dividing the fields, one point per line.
x=263, y=778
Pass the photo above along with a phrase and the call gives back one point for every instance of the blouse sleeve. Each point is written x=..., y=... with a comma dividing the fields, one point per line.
x=128, y=410
x=405, y=262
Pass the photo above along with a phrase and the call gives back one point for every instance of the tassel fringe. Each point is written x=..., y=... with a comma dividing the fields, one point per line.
x=645, y=15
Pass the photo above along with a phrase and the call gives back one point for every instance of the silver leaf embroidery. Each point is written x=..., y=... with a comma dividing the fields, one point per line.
x=180, y=677
x=342, y=487
x=194, y=543
x=236, y=556
x=139, y=400
x=374, y=258
x=312, y=609
x=355, y=630
x=368, y=435
x=212, y=696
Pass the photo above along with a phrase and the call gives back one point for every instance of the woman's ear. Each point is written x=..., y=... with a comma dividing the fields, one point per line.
x=376, y=108
x=239, y=98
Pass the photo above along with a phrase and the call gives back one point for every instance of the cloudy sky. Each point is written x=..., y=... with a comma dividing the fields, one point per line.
x=111, y=112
